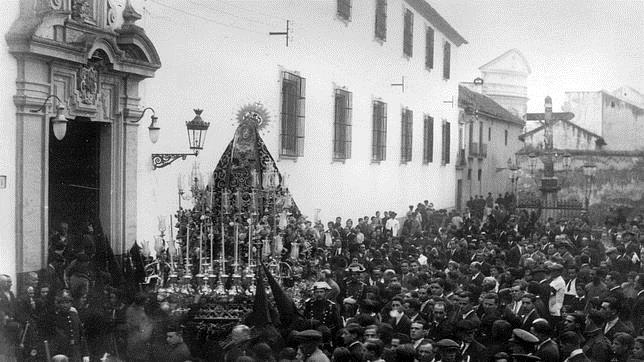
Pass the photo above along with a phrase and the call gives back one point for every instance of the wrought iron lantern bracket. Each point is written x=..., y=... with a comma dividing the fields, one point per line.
x=160, y=160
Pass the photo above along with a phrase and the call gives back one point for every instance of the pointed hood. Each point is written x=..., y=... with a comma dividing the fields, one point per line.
x=285, y=306
x=261, y=314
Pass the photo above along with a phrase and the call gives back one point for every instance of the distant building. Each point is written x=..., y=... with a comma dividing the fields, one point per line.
x=488, y=137
x=505, y=81
x=617, y=117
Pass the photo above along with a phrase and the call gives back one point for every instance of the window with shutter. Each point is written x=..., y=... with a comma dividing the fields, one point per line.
x=292, y=115
x=408, y=34
x=428, y=140
x=446, y=143
x=381, y=20
x=429, y=48
x=342, y=125
x=344, y=9
x=447, y=49
x=406, y=133
x=379, y=145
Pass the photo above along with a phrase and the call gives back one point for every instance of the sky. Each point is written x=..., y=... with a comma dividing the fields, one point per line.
x=571, y=45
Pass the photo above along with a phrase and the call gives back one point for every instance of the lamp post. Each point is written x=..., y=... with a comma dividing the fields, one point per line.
x=514, y=175
x=532, y=159
x=589, y=169
x=197, y=129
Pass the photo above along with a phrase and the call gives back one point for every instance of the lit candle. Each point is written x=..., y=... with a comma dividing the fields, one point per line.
x=212, y=265
x=187, y=244
x=236, y=246
x=201, y=246
x=223, y=248
x=250, y=241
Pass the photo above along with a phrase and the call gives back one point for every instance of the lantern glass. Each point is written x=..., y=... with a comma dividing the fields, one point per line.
x=59, y=123
x=154, y=130
x=197, y=129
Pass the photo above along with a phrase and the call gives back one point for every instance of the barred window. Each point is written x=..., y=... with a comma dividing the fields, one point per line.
x=292, y=122
x=429, y=48
x=381, y=19
x=342, y=125
x=344, y=9
x=406, y=135
x=379, y=147
x=446, y=141
x=428, y=139
x=408, y=34
x=447, y=49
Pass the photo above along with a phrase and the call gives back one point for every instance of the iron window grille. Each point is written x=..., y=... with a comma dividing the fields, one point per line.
x=447, y=50
x=292, y=115
x=342, y=125
x=344, y=9
x=428, y=139
x=381, y=19
x=446, y=143
x=429, y=48
x=379, y=146
x=408, y=34
x=406, y=133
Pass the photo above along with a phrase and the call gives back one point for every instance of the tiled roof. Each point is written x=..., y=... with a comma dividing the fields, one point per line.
x=484, y=105
x=429, y=13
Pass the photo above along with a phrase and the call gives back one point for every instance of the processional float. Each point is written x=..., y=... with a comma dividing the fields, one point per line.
x=236, y=223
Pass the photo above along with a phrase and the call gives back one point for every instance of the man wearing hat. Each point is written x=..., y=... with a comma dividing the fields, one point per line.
x=522, y=341
x=571, y=348
x=471, y=349
x=64, y=330
x=308, y=342
x=353, y=286
x=448, y=350
x=322, y=309
x=547, y=349
x=177, y=349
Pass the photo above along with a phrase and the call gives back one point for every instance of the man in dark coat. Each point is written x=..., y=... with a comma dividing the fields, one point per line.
x=470, y=347
x=399, y=320
x=321, y=309
x=571, y=347
x=613, y=323
x=547, y=349
x=65, y=331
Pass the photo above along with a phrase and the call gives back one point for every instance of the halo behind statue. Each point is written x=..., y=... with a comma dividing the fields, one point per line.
x=255, y=112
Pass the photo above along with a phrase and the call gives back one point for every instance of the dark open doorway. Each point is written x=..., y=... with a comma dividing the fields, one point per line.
x=74, y=174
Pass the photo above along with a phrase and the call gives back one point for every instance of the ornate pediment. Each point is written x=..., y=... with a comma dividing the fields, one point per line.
x=510, y=61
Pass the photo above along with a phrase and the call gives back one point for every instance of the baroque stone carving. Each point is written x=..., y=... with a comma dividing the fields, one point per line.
x=83, y=10
x=111, y=13
x=56, y=4
x=87, y=85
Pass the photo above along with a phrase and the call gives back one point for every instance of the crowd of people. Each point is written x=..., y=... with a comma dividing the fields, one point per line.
x=490, y=284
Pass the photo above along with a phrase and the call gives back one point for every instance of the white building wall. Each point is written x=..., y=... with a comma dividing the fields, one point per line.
x=587, y=107
x=222, y=70
x=8, y=74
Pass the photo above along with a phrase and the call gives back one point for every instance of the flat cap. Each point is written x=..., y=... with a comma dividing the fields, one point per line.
x=555, y=266
x=309, y=335
x=321, y=285
x=521, y=335
x=520, y=357
x=356, y=268
x=349, y=300
x=466, y=325
x=612, y=249
x=447, y=344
